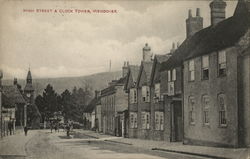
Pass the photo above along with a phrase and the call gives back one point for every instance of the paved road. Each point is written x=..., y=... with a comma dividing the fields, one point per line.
x=41, y=144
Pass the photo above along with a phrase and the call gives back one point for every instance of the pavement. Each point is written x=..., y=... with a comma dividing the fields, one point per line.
x=175, y=147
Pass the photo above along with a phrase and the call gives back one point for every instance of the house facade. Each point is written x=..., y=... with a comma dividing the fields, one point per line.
x=218, y=114
x=130, y=88
x=143, y=94
x=114, y=101
x=157, y=108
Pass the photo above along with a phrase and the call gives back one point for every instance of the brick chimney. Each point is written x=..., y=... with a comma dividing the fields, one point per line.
x=146, y=53
x=15, y=81
x=1, y=76
x=173, y=48
x=193, y=24
x=218, y=12
x=125, y=68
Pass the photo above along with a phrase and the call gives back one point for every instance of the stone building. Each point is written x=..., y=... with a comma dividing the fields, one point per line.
x=215, y=64
x=157, y=110
x=114, y=101
x=143, y=94
x=130, y=88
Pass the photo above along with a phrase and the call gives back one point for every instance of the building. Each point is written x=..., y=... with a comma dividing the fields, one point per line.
x=92, y=113
x=157, y=109
x=130, y=88
x=143, y=94
x=33, y=114
x=114, y=101
x=215, y=63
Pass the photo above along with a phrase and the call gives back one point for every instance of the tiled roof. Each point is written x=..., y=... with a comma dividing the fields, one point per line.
x=13, y=94
x=146, y=66
x=7, y=102
x=91, y=106
x=134, y=70
x=28, y=87
x=213, y=38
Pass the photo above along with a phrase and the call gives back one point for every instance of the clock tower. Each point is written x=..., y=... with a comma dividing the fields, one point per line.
x=29, y=90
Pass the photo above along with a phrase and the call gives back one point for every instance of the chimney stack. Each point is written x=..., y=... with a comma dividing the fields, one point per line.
x=173, y=48
x=15, y=81
x=125, y=69
x=193, y=24
x=1, y=77
x=218, y=12
x=146, y=53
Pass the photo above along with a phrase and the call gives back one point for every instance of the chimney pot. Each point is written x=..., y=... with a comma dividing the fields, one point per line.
x=198, y=12
x=190, y=13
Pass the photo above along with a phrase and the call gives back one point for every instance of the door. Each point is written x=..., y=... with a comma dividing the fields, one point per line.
x=177, y=123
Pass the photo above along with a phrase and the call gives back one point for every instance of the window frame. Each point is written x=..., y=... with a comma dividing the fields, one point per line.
x=191, y=71
x=221, y=95
x=205, y=68
x=191, y=110
x=206, y=110
x=221, y=63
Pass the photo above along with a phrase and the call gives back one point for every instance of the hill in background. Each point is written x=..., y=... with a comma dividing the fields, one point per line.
x=95, y=81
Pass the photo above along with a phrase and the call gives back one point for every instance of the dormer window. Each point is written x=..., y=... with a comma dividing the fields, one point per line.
x=222, y=63
x=157, y=90
x=205, y=67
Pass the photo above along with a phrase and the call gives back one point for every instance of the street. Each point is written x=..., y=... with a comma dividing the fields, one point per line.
x=41, y=144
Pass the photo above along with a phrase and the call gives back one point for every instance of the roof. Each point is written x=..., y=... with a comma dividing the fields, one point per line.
x=29, y=87
x=29, y=75
x=213, y=38
x=159, y=59
x=91, y=106
x=7, y=102
x=146, y=66
x=133, y=71
x=111, y=89
x=12, y=93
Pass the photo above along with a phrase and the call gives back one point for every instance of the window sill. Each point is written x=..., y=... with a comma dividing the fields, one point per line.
x=221, y=76
x=192, y=124
x=222, y=126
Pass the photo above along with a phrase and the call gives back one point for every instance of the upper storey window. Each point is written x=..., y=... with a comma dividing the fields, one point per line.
x=205, y=67
x=191, y=70
x=222, y=63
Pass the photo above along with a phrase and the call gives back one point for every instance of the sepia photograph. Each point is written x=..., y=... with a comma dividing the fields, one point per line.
x=125, y=79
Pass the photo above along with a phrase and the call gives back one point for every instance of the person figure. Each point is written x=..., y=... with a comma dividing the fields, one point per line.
x=10, y=128
x=67, y=129
x=51, y=127
x=25, y=130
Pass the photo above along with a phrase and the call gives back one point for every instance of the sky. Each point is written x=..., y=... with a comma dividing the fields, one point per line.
x=60, y=44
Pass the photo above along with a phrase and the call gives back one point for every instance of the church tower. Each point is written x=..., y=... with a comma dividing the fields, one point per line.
x=146, y=53
x=29, y=90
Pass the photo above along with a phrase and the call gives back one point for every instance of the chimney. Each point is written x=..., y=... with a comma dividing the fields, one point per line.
x=1, y=77
x=146, y=53
x=193, y=24
x=15, y=81
x=218, y=12
x=178, y=45
x=125, y=69
x=97, y=93
x=173, y=48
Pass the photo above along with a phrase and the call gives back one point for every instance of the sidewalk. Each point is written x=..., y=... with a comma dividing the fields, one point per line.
x=14, y=145
x=176, y=147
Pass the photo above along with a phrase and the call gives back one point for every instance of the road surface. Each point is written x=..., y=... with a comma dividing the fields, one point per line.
x=41, y=144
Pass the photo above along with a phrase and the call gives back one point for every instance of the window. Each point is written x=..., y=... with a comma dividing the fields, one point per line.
x=145, y=119
x=222, y=63
x=159, y=120
x=205, y=67
x=205, y=103
x=157, y=90
x=170, y=88
x=173, y=74
x=191, y=110
x=191, y=70
x=145, y=94
x=133, y=120
x=222, y=110
x=169, y=75
x=133, y=95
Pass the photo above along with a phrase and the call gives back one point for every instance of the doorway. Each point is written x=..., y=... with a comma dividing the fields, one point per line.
x=177, y=122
